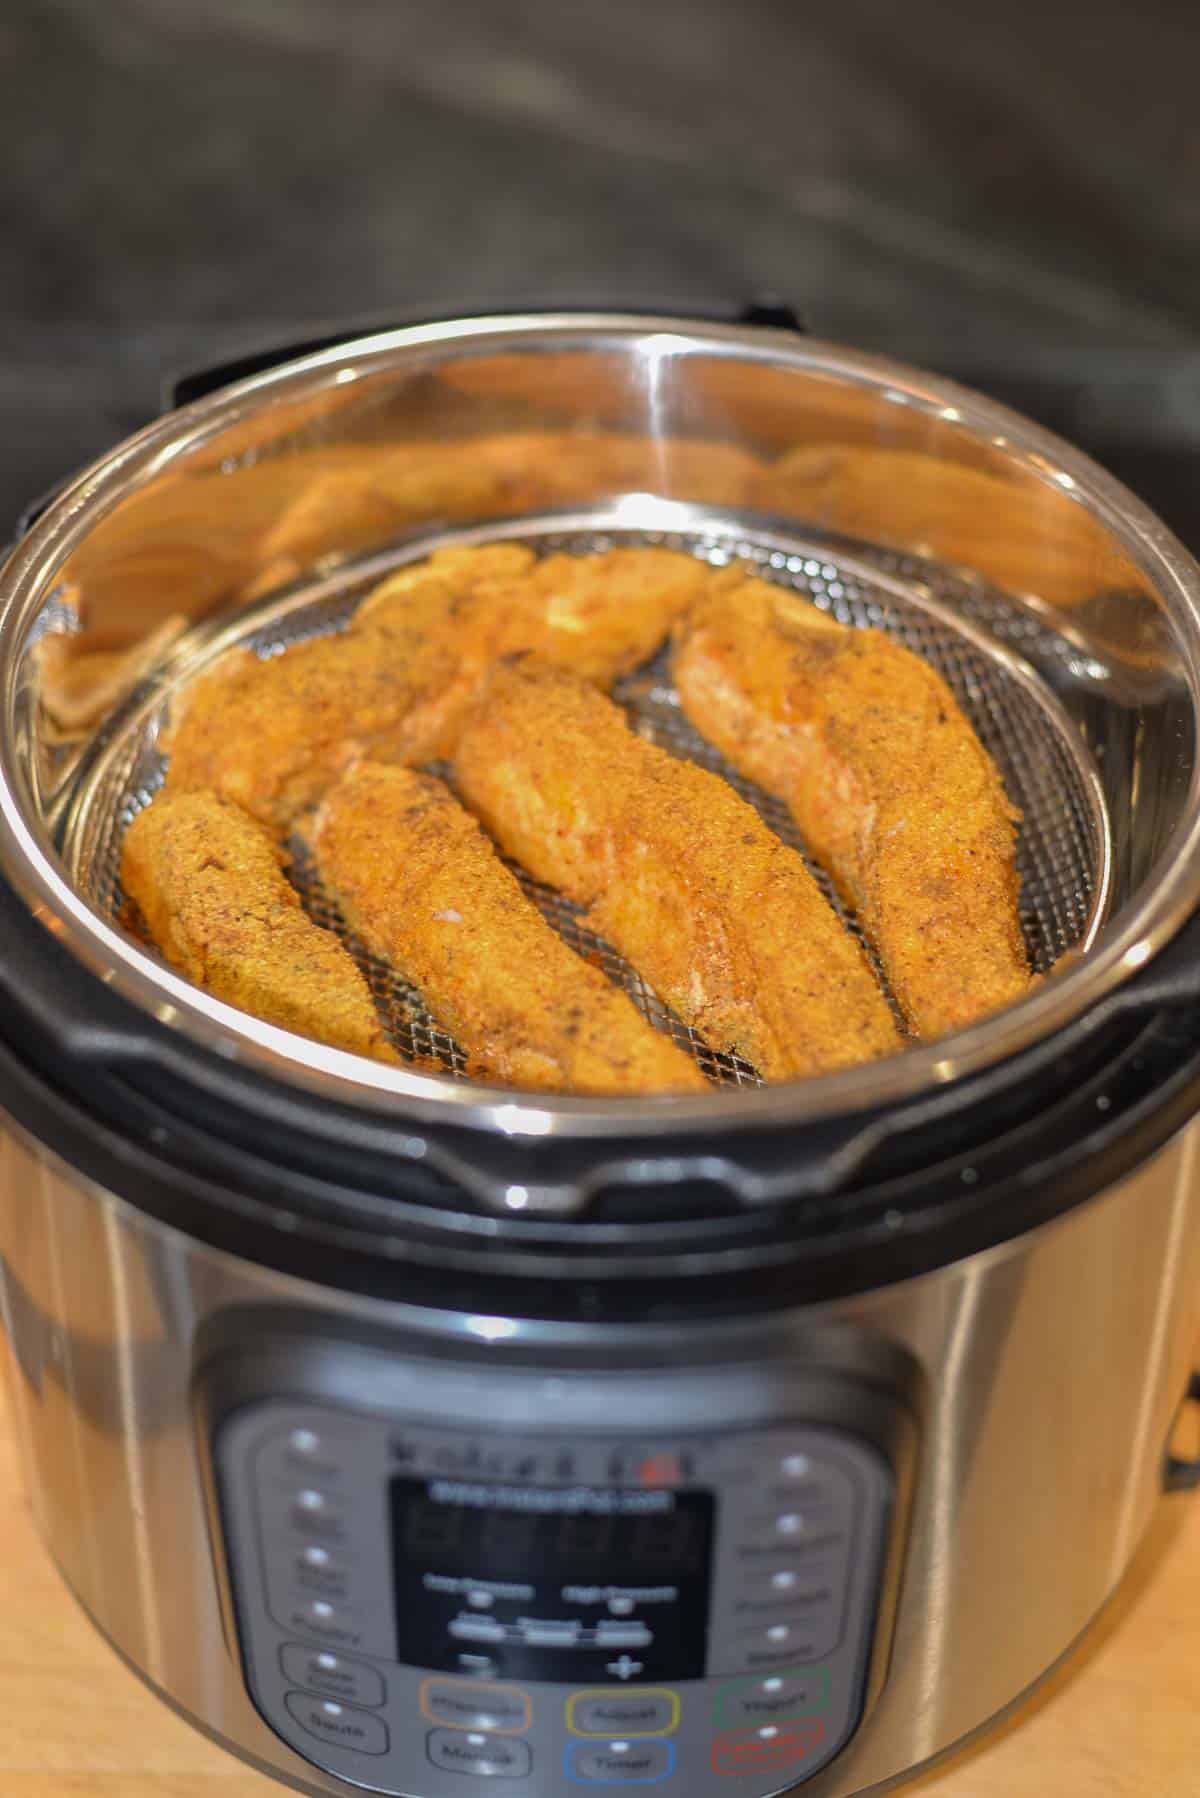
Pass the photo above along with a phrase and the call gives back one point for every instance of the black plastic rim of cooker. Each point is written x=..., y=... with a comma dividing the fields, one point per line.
x=359, y=1199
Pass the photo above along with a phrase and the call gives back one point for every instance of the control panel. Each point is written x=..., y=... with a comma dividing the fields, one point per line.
x=422, y=1610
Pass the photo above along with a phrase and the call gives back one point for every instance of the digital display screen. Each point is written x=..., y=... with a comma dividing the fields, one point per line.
x=548, y=1583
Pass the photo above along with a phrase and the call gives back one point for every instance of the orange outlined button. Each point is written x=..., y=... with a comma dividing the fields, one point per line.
x=646, y=1711
x=476, y=1704
x=771, y=1746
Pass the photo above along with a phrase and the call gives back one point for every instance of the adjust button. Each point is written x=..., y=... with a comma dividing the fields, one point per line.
x=478, y=1755
x=621, y=1762
x=318, y=1670
x=476, y=1704
x=337, y=1724
x=772, y=1698
x=650, y=1711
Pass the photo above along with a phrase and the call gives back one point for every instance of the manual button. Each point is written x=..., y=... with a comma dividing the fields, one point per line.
x=337, y=1724
x=652, y=1712
x=479, y=1755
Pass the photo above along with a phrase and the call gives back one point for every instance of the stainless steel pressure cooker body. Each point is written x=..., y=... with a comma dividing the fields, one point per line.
x=414, y=1436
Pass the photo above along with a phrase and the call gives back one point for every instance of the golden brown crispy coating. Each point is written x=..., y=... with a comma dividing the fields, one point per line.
x=680, y=874
x=274, y=734
x=422, y=887
x=601, y=615
x=209, y=883
x=891, y=787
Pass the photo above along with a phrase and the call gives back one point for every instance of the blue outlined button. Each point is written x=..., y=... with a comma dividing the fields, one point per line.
x=634, y=1761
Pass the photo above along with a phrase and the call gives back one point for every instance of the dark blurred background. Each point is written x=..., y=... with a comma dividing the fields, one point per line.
x=1010, y=193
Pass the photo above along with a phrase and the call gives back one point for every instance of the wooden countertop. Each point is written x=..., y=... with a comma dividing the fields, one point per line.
x=1119, y=1719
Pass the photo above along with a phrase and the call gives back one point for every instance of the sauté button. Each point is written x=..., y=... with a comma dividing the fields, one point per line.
x=772, y=1697
x=772, y=1746
x=478, y=1755
x=319, y=1670
x=651, y=1711
x=338, y=1724
x=621, y=1762
x=476, y=1704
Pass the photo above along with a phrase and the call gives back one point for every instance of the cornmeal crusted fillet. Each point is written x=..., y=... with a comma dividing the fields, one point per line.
x=421, y=886
x=274, y=734
x=601, y=615
x=680, y=874
x=892, y=789
x=209, y=883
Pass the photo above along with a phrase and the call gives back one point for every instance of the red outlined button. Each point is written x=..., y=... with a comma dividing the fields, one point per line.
x=774, y=1745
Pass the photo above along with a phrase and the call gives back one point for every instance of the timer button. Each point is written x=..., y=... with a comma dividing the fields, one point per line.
x=337, y=1724
x=479, y=1755
x=621, y=1762
x=320, y=1670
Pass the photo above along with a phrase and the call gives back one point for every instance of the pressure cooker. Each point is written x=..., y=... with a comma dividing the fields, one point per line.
x=415, y=1436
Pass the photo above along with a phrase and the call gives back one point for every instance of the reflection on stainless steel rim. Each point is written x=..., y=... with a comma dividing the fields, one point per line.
x=1141, y=922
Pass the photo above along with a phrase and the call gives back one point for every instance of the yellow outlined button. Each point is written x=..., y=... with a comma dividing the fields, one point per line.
x=476, y=1704
x=601, y=1711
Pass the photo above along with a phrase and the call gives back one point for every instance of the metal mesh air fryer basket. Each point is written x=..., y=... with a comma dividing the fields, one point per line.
x=1063, y=845
x=1062, y=615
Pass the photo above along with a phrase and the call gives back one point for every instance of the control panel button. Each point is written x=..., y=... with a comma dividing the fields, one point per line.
x=319, y=1670
x=478, y=1755
x=476, y=1704
x=767, y=1748
x=338, y=1724
x=653, y=1711
x=772, y=1697
x=621, y=1762
x=329, y=1621
x=308, y=1451
x=807, y=1635
x=321, y=1572
x=316, y=1513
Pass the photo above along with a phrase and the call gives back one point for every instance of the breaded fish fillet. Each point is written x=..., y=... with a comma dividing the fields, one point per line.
x=274, y=734
x=679, y=873
x=209, y=883
x=600, y=615
x=885, y=777
x=421, y=886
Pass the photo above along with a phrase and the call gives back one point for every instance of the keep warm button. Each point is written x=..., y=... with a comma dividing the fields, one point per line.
x=773, y=1746
x=338, y=1724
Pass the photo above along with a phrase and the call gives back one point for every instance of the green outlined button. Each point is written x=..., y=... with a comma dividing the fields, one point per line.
x=773, y=1697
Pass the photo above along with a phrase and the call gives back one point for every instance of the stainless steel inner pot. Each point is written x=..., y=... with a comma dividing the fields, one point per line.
x=1065, y=617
